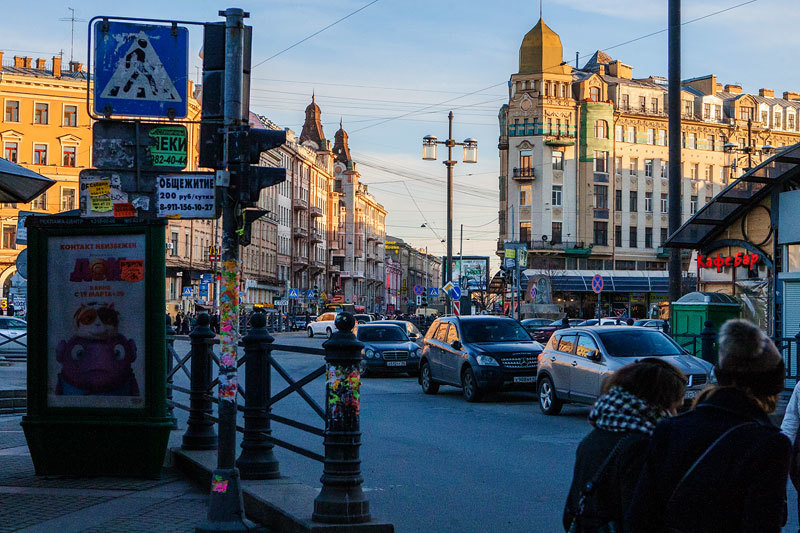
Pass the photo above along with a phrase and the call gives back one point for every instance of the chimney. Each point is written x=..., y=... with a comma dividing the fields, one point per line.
x=719, y=88
x=56, y=66
x=618, y=69
x=733, y=89
x=766, y=93
x=1, y=60
x=601, y=69
x=28, y=62
x=41, y=64
x=791, y=96
x=75, y=66
x=19, y=61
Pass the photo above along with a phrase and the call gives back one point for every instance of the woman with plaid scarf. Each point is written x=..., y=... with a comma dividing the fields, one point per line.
x=609, y=460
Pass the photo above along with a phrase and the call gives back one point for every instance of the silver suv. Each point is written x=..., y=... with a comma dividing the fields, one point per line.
x=575, y=362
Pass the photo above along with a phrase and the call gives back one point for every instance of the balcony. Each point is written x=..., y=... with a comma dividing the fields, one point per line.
x=315, y=236
x=316, y=264
x=300, y=232
x=333, y=268
x=315, y=212
x=351, y=274
x=371, y=236
x=300, y=204
x=523, y=174
x=337, y=253
x=371, y=257
x=300, y=262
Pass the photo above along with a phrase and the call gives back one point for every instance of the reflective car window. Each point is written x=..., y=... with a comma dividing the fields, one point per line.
x=566, y=343
x=441, y=333
x=639, y=343
x=17, y=324
x=552, y=344
x=452, y=335
x=586, y=346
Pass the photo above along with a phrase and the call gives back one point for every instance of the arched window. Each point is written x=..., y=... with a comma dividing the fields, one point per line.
x=601, y=129
x=594, y=93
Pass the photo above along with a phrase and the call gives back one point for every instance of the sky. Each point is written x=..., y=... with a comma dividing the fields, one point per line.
x=392, y=71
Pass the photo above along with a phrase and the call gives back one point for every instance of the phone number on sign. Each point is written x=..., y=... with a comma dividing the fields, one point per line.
x=185, y=207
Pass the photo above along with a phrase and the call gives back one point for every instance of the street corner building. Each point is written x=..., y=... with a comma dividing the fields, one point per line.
x=584, y=167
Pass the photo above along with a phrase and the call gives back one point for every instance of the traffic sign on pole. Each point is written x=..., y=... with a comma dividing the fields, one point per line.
x=419, y=300
x=293, y=293
x=419, y=289
x=533, y=292
x=597, y=283
x=457, y=307
x=433, y=292
x=455, y=293
x=140, y=69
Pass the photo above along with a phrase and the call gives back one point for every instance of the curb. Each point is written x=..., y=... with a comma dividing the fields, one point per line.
x=279, y=504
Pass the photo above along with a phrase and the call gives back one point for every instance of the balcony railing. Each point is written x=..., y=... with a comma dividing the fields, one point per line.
x=555, y=245
x=523, y=173
x=315, y=235
x=315, y=211
x=300, y=204
x=300, y=232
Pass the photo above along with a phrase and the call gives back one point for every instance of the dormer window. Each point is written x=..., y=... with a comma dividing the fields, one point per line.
x=776, y=121
x=594, y=93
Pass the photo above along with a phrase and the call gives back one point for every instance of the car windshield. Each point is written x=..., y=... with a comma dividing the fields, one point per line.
x=385, y=334
x=638, y=343
x=640, y=323
x=493, y=331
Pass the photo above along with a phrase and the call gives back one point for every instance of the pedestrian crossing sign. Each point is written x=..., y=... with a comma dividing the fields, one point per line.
x=140, y=69
x=293, y=293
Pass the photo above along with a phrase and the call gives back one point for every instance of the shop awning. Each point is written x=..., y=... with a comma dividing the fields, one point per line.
x=736, y=199
x=613, y=281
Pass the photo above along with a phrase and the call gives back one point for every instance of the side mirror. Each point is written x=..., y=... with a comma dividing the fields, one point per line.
x=456, y=344
x=594, y=355
x=412, y=336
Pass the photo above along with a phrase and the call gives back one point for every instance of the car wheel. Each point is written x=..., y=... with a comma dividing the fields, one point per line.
x=469, y=386
x=328, y=332
x=548, y=401
x=310, y=332
x=426, y=380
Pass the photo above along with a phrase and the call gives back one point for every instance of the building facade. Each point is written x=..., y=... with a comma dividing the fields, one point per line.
x=584, y=162
x=412, y=267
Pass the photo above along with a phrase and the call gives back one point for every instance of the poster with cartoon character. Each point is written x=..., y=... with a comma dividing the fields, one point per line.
x=96, y=321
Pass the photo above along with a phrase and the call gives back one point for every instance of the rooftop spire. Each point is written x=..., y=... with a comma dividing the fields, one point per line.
x=341, y=147
x=312, y=127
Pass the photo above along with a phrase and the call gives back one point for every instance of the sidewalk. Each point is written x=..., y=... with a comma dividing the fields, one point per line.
x=107, y=505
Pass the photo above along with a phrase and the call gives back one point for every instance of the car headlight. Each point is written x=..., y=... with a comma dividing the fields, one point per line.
x=415, y=353
x=712, y=377
x=369, y=353
x=486, y=360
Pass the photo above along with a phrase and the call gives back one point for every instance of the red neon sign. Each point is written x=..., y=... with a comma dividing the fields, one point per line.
x=740, y=259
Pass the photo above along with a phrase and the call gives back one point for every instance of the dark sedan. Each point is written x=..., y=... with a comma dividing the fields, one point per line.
x=387, y=348
x=542, y=333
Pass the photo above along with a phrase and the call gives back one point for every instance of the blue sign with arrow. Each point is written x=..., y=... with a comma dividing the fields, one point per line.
x=433, y=292
x=141, y=69
x=293, y=293
x=455, y=293
x=207, y=278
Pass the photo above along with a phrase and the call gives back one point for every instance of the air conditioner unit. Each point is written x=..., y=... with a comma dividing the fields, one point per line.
x=170, y=246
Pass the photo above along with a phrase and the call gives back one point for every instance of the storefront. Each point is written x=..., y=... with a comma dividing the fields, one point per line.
x=747, y=243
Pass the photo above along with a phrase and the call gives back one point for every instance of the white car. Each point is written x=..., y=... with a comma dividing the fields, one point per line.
x=13, y=336
x=323, y=325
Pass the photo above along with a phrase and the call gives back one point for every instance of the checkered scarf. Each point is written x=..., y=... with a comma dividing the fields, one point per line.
x=620, y=411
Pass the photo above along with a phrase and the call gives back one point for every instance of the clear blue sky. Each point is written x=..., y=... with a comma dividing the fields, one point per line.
x=413, y=54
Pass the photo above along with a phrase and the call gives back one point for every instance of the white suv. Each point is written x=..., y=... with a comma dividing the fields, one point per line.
x=324, y=324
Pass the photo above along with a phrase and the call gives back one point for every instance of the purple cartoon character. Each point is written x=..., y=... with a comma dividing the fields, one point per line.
x=97, y=360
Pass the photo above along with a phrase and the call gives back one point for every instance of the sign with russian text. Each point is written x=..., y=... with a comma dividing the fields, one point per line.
x=185, y=195
x=96, y=321
x=169, y=146
x=719, y=262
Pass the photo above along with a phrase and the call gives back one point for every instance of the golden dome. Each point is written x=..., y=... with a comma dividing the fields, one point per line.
x=541, y=51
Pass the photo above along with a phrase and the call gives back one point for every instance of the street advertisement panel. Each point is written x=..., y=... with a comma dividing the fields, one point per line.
x=471, y=272
x=96, y=321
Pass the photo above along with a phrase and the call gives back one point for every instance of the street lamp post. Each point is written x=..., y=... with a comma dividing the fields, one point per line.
x=749, y=150
x=470, y=145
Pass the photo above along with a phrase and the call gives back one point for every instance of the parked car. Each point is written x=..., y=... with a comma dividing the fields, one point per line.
x=479, y=354
x=650, y=323
x=363, y=318
x=13, y=336
x=576, y=361
x=324, y=324
x=542, y=334
x=411, y=329
x=532, y=323
x=387, y=348
x=605, y=321
x=299, y=322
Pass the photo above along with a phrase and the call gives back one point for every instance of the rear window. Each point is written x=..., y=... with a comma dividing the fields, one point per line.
x=638, y=343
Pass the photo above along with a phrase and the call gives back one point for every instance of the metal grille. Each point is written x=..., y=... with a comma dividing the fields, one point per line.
x=520, y=361
x=697, y=379
x=396, y=355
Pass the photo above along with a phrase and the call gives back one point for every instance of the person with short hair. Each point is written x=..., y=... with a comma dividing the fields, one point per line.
x=610, y=458
x=722, y=466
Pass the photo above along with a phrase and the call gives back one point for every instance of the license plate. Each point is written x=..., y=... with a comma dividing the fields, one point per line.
x=395, y=363
x=524, y=379
x=690, y=394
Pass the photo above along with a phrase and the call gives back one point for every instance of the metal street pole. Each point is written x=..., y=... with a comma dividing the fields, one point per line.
x=449, y=163
x=674, y=95
x=225, y=510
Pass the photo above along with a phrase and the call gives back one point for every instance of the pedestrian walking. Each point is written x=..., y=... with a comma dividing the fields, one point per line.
x=564, y=323
x=722, y=466
x=179, y=323
x=789, y=427
x=609, y=460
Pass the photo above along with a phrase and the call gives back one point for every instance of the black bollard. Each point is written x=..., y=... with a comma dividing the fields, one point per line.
x=170, y=362
x=707, y=337
x=257, y=460
x=341, y=500
x=200, y=434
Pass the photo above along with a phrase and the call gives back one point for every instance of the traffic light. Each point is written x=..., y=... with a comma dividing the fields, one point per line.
x=250, y=178
x=316, y=292
x=249, y=216
x=424, y=300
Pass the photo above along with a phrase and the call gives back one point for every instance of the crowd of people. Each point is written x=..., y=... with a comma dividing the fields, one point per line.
x=720, y=466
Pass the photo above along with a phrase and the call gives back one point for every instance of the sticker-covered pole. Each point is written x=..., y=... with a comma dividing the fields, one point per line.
x=225, y=508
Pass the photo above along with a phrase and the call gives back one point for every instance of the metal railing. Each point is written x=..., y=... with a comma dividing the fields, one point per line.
x=341, y=499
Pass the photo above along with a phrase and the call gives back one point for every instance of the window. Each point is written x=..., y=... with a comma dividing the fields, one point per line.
x=547, y=88
x=618, y=166
x=707, y=173
x=525, y=159
x=618, y=236
x=39, y=154
x=601, y=233
x=558, y=160
x=694, y=171
x=9, y=237
x=654, y=105
x=634, y=165
x=688, y=108
x=648, y=237
x=441, y=333
x=692, y=140
x=594, y=94
x=765, y=117
x=633, y=237
x=601, y=197
x=662, y=137
x=525, y=232
x=452, y=335
x=776, y=121
x=556, y=201
x=11, y=152
x=40, y=113
x=648, y=168
x=717, y=112
x=619, y=134
x=12, y=111
x=746, y=113
x=634, y=201
x=631, y=134
x=643, y=104
x=586, y=347
x=663, y=168
x=664, y=235
x=601, y=129
x=651, y=136
x=69, y=156
x=790, y=122
x=693, y=205
x=625, y=101
x=174, y=240
x=600, y=161
x=67, y=199
x=626, y=265
x=562, y=90
x=618, y=200
x=556, y=237
x=71, y=115
x=708, y=198
x=711, y=143
x=648, y=202
x=706, y=111
x=525, y=194
x=40, y=202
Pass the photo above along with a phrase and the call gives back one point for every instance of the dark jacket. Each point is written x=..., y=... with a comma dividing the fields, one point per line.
x=739, y=486
x=614, y=491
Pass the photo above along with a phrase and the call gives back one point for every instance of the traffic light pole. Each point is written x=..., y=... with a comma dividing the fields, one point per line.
x=225, y=509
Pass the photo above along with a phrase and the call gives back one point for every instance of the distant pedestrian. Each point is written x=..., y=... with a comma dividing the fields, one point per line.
x=564, y=323
x=179, y=323
x=722, y=466
x=610, y=458
x=629, y=321
x=10, y=308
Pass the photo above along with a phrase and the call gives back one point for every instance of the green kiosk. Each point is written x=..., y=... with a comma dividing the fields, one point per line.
x=96, y=347
x=691, y=311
